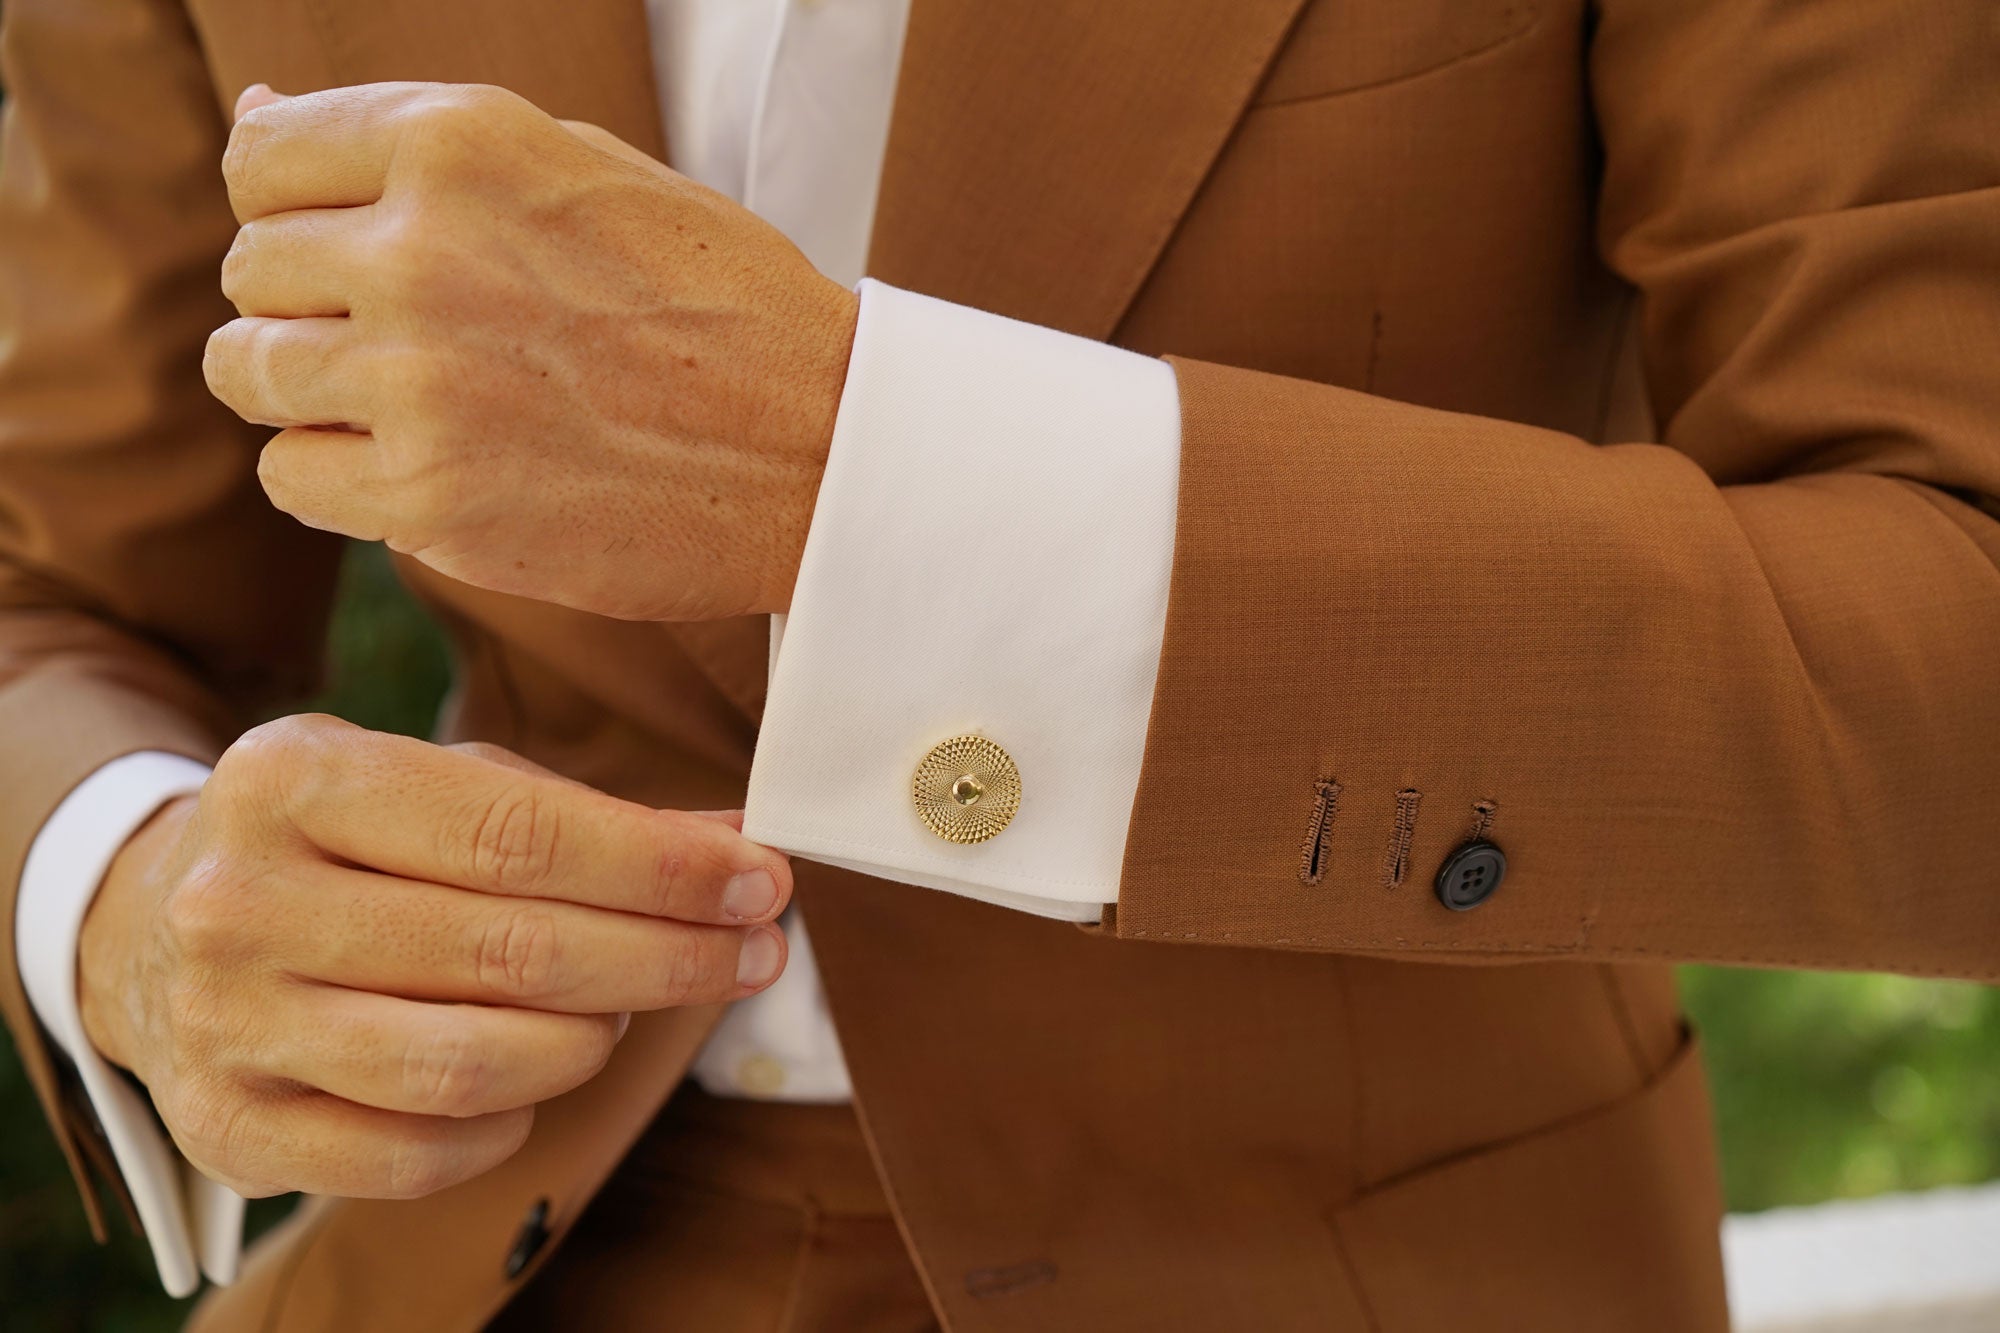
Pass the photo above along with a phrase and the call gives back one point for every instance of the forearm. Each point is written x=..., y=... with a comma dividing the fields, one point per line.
x=1748, y=723
x=1725, y=697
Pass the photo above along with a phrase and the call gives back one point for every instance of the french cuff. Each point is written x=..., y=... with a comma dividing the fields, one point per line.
x=959, y=695
x=194, y=1225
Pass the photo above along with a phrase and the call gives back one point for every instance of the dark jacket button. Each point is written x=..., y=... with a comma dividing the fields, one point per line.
x=1469, y=875
x=528, y=1241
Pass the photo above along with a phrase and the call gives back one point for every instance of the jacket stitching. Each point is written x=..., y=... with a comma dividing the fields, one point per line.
x=1533, y=19
x=1396, y=865
x=1319, y=832
x=1482, y=819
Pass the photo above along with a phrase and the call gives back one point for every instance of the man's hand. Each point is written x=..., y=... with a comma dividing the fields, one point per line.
x=356, y=962
x=524, y=352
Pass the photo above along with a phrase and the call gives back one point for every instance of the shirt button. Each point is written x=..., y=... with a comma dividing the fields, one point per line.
x=1469, y=875
x=966, y=789
x=760, y=1076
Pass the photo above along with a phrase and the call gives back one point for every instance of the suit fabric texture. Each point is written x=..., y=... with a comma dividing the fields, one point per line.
x=1589, y=437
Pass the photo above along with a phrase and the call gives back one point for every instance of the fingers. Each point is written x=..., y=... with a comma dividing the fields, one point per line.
x=322, y=1144
x=328, y=479
x=291, y=265
x=292, y=372
x=322, y=150
x=426, y=942
x=419, y=811
x=334, y=149
x=457, y=1060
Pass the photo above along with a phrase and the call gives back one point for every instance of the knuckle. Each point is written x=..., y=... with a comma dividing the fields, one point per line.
x=278, y=765
x=251, y=757
x=221, y=361
x=487, y=750
x=602, y=1046
x=454, y=124
x=208, y=1117
x=240, y=157
x=479, y=104
x=414, y=1168
x=189, y=1020
x=208, y=1025
x=257, y=747
x=402, y=248
x=218, y=1125
x=680, y=976
x=284, y=741
x=276, y=481
x=237, y=367
x=444, y=1072
x=514, y=839
x=318, y=729
x=517, y=953
x=204, y=913
x=236, y=264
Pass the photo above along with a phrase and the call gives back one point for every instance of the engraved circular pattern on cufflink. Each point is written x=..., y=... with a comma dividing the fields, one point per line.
x=966, y=789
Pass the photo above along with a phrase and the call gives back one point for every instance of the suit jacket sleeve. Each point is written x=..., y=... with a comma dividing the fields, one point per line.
x=148, y=592
x=1733, y=696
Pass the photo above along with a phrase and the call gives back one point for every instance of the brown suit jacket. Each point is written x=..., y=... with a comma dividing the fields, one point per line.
x=1430, y=270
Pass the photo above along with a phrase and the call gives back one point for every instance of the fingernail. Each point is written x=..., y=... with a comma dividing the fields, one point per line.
x=624, y=1021
x=758, y=962
x=750, y=895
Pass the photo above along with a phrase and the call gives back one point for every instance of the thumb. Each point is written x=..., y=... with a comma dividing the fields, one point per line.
x=255, y=96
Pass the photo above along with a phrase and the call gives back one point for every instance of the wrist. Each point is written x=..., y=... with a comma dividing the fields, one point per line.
x=109, y=947
x=824, y=383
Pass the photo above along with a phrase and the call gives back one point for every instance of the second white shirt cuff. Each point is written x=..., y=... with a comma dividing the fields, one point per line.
x=193, y=1224
x=990, y=555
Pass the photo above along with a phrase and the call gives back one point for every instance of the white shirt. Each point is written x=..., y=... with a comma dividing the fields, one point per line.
x=990, y=554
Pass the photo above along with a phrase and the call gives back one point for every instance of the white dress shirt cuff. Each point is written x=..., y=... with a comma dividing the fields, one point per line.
x=193, y=1224
x=990, y=554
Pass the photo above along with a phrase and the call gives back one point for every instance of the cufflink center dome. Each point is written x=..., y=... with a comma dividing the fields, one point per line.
x=966, y=789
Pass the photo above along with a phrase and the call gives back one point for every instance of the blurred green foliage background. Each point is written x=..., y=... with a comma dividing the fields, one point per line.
x=1826, y=1086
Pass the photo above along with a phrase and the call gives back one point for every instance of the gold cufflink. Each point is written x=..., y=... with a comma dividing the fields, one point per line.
x=966, y=789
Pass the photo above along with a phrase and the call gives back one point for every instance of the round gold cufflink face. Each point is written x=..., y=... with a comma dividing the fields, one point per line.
x=966, y=789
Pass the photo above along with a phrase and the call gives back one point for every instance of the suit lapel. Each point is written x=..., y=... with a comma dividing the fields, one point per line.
x=1042, y=150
